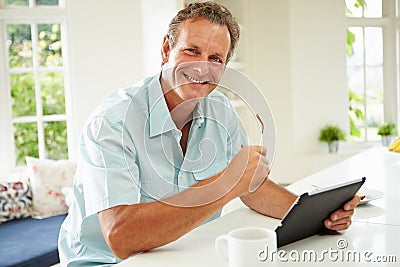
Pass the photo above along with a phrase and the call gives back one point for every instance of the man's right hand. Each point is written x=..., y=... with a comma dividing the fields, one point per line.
x=250, y=167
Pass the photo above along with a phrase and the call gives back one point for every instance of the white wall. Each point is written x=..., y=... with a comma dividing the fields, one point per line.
x=156, y=17
x=295, y=55
x=297, y=58
x=318, y=66
x=269, y=67
x=105, y=51
x=318, y=69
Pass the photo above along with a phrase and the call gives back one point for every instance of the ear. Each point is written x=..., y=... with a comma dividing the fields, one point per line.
x=165, y=49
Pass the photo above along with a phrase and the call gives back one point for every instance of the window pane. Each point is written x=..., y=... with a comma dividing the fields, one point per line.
x=10, y=3
x=354, y=8
x=373, y=9
x=373, y=46
x=19, y=41
x=56, y=140
x=26, y=141
x=374, y=84
x=374, y=119
x=49, y=45
x=52, y=91
x=355, y=76
x=23, y=95
x=47, y=2
x=357, y=118
x=356, y=55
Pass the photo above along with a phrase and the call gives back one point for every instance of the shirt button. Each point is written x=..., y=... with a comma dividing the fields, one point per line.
x=180, y=176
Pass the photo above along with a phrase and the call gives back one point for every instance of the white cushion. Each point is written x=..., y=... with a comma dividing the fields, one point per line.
x=47, y=177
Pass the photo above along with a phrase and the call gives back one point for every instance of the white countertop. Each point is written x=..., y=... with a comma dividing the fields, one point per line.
x=373, y=238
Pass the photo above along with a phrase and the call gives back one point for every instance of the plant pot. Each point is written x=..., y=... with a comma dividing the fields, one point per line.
x=333, y=146
x=387, y=139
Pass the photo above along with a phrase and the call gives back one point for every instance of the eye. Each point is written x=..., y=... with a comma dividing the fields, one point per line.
x=216, y=59
x=191, y=51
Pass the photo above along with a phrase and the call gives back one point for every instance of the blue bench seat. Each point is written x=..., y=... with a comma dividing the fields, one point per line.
x=30, y=242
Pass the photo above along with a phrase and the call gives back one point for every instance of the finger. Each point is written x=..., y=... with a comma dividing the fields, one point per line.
x=339, y=214
x=267, y=166
x=260, y=175
x=264, y=160
x=338, y=227
x=260, y=149
x=340, y=221
x=264, y=163
x=351, y=204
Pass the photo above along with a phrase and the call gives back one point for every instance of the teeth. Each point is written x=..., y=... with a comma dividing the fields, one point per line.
x=193, y=79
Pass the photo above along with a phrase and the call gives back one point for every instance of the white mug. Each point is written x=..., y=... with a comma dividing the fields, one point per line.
x=241, y=247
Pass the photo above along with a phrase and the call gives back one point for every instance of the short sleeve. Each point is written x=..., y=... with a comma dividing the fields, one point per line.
x=107, y=171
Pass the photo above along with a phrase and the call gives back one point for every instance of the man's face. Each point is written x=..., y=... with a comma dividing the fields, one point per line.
x=195, y=64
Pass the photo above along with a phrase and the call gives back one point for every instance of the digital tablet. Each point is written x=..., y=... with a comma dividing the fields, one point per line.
x=307, y=215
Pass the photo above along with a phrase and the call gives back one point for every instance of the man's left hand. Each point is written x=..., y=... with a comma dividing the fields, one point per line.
x=341, y=219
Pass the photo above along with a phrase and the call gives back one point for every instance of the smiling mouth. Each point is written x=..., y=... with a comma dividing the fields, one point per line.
x=193, y=80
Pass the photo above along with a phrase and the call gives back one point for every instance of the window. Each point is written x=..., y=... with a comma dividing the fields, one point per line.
x=371, y=64
x=31, y=3
x=33, y=81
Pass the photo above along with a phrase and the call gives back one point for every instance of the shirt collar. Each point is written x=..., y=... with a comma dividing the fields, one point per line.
x=159, y=119
x=198, y=115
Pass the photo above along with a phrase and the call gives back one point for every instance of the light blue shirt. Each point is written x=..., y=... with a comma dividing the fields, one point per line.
x=130, y=153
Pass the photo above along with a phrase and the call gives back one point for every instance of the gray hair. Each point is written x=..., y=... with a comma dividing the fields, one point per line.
x=210, y=11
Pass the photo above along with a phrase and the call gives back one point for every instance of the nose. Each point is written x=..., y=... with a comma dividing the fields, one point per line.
x=202, y=67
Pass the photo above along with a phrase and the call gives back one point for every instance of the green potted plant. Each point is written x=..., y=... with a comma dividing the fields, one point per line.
x=388, y=132
x=332, y=134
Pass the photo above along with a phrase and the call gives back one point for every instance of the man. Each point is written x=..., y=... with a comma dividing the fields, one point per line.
x=161, y=158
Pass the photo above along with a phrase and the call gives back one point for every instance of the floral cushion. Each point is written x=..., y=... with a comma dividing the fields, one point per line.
x=15, y=200
x=47, y=178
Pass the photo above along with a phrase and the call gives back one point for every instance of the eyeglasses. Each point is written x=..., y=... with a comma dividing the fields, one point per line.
x=261, y=122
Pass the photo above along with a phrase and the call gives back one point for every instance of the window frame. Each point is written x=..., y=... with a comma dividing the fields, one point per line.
x=32, y=4
x=390, y=25
x=30, y=15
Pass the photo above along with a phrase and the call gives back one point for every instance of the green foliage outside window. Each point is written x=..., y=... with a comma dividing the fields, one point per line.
x=9, y=3
x=47, y=2
x=23, y=89
x=357, y=4
x=49, y=45
x=26, y=141
x=56, y=140
x=23, y=95
x=25, y=135
x=356, y=100
x=52, y=92
x=356, y=114
x=19, y=40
